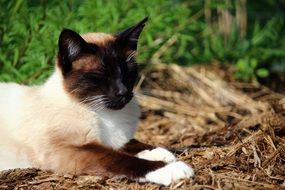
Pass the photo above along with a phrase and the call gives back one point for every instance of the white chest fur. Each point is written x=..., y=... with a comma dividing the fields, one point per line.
x=117, y=127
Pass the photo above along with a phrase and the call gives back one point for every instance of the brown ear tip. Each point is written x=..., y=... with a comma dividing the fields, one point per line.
x=146, y=18
x=66, y=31
x=143, y=21
x=68, y=35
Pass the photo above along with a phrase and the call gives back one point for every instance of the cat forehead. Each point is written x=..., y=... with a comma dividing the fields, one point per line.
x=106, y=43
x=89, y=62
x=98, y=38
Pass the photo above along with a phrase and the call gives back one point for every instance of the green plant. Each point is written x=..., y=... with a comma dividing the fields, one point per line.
x=179, y=31
x=248, y=69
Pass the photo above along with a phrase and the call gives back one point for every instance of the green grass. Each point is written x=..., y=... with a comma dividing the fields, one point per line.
x=29, y=30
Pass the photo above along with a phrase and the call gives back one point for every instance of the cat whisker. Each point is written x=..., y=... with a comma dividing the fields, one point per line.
x=91, y=99
x=98, y=104
x=94, y=97
x=74, y=90
x=131, y=55
x=99, y=107
x=95, y=103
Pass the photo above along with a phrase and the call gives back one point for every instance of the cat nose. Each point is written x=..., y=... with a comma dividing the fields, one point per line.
x=122, y=91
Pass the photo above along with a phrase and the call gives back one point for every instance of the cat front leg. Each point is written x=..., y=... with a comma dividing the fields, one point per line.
x=171, y=172
x=93, y=158
x=148, y=152
x=134, y=146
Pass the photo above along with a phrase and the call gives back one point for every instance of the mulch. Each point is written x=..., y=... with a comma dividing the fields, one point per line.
x=232, y=133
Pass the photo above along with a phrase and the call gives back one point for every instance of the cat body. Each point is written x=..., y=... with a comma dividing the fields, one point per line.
x=83, y=118
x=24, y=121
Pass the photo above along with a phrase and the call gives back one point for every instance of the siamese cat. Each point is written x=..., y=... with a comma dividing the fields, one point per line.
x=83, y=118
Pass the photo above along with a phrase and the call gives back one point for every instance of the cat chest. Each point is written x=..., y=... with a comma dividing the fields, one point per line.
x=115, y=133
x=116, y=127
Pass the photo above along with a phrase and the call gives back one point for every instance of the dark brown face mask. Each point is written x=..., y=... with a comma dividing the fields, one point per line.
x=104, y=72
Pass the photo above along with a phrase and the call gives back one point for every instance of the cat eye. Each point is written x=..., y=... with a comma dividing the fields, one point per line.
x=96, y=75
x=132, y=65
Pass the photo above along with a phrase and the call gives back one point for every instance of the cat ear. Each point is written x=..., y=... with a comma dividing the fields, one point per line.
x=70, y=45
x=130, y=36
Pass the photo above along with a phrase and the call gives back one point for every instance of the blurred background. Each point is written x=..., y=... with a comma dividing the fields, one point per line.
x=216, y=113
x=246, y=35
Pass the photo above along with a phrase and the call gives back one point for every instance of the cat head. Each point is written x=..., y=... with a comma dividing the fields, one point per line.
x=100, y=69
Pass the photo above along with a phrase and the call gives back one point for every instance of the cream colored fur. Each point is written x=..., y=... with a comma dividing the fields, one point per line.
x=33, y=118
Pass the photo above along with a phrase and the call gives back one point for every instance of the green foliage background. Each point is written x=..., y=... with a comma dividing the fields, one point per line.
x=29, y=30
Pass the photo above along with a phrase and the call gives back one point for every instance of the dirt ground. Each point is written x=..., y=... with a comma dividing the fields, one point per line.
x=232, y=133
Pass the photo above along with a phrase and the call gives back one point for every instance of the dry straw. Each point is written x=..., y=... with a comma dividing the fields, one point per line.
x=233, y=139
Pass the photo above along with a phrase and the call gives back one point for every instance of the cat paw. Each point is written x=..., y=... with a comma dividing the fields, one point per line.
x=170, y=173
x=157, y=154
